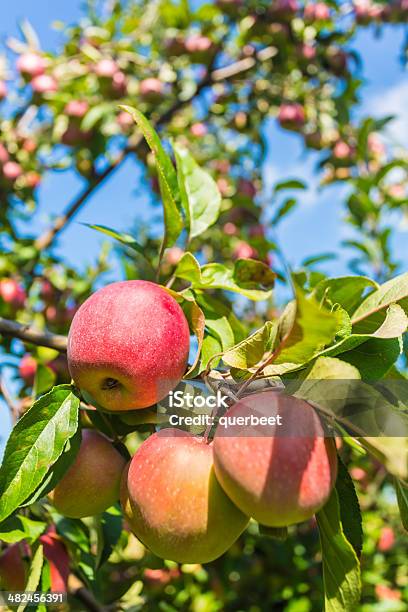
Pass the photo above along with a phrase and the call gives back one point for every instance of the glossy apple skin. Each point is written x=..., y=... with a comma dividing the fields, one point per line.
x=92, y=483
x=277, y=475
x=135, y=334
x=13, y=568
x=174, y=503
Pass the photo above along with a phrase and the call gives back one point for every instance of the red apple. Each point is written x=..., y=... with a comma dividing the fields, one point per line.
x=243, y=250
x=13, y=570
x=76, y=108
x=31, y=64
x=32, y=179
x=27, y=369
x=318, y=11
x=151, y=89
x=57, y=556
x=387, y=539
x=3, y=90
x=174, y=254
x=12, y=293
x=4, y=154
x=44, y=83
x=342, y=150
x=198, y=129
x=174, y=503
x=278, y=474
x=230, y=229
x=92, y=483
x=199, y=47
x=106, y=68
x=12, y=170
x=128, y=345
x=291, y=115
x=246, y=188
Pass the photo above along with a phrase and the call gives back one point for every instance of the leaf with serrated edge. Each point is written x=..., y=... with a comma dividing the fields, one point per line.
x=402, y=497
x=35, y=443
x=341, y=568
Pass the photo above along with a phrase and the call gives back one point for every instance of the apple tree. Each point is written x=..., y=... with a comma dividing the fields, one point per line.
x=100, y=498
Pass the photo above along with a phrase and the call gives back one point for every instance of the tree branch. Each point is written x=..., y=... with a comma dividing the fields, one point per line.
x=27, y=333
x=215, y=76
x=11, y=404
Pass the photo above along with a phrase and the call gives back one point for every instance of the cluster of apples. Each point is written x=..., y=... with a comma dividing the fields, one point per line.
x=185, y=497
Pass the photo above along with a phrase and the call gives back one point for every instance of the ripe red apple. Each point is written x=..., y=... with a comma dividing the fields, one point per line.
x=92, y=483
x=32, y=179
x=173, y=255
x=128, y=345
x=387, y=539
x=106, y=68
x=119, y=83
x=243, y=250
x=199, y=47
x=279, y=475
x=174, y=503
x=74, y=136
x=27, y=368
x=12, y=170
x=13, y=569
x=246, y=188
x=57, y=556
x=342, y=150
x=198, y=129
x=12, y=293
x=151, y=89
x=31, y=64
x=76, y=108
x=3, y=90
x=230, y=229
x=4, y=154
x=291, y=115
x=318, y=11
x=44, y=83
x=125, y=121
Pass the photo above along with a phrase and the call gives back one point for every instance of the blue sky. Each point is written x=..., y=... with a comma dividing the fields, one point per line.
x=315, y=227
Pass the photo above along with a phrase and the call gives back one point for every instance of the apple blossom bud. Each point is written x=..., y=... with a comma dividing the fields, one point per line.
x=76, y=108
x=44, y=83
x=31, y=64
x=12, y=170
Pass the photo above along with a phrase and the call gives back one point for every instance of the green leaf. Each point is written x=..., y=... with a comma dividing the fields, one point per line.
x=17, y=528
x=200, y=194
x=251, y=351
x=283, y=210
x=218, y=276
x=373, y=358
x=211, y=347
x=34, y=575
x=349, y=508
x=125, y=239
x=289, y=184
x=94, y=115
x=402, y=497
x=58, y=469
x=44, y=379
x=306, y=328
x=341, y=568
x=392, y=452
x=173, y=221
x=394, y=291
x=35, y=443
x=348, y=291
x=109, y=531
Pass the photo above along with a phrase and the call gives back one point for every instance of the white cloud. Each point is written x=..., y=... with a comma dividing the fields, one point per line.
x=393, y=101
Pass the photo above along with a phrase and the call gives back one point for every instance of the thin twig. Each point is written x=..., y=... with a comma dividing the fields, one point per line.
x=30, y=334
x=12, y=405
